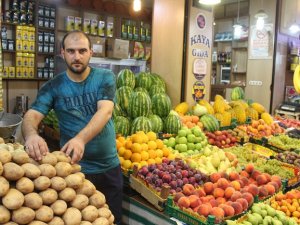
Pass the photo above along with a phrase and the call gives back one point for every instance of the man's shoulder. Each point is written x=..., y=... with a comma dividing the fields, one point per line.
x=101, y=71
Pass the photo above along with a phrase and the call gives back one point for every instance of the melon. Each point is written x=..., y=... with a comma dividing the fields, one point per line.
x=172, y=124
x=237, y=93
x=157, y=80
x=156, y=89
x=122, y=97
x=156, y=123
x=139, y=104
x=126, y=78
x=144, y=80
x=210, y=123
x=122, y=125
x=161, y=104
x=118, y=111
x=141, y=123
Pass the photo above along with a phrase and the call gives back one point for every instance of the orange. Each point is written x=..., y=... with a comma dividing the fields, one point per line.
x=121, y=151
x=152, y=145
x=151, y=161
x=121, y=139
x=151, y=136
x=128, y=144
x=121, y=160
x=152, y=154
x=136, y=157
x=136, y=147
x=143, y=163
x=136, y=138
x=159, y=153
x=159, y=143
x=158, y=160
x=166, y=151
x=171, y=156
x=135, y=164
x=127, y=154
x=144, y=147
x=119, y=144
x=145, y=155
x=126, y=164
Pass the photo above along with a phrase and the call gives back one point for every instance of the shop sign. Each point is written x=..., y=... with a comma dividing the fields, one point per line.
x=198, y=91
x=199, y=68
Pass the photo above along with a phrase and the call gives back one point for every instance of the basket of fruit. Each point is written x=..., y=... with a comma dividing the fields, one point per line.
x=259, y=149
x=282, y=143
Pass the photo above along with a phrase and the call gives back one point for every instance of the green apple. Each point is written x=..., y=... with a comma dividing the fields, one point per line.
x=182, y=133
x=182, y=147
x=190, y=152
x=182, y=140
x=198, y=139
x=204, y=142
x=188, y=131
x=198, y=146
x=197, y=131
x=171, y=142
x=191, y=146
x=166, y=141
x=191, y=138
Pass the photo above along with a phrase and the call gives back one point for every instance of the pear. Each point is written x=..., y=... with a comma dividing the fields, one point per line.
x=263, y=213
x=252, y=219
x=276, y=222
x=255, y=208
x=231, y=222
x=271, y=211
x=246, y=222
x=267, y=220
x=291, y=221
x=258, y=217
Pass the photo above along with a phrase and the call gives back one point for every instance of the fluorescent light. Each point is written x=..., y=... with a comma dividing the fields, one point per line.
x=237, y=31
x=294, y=28
x=137, y=5
x=209, y=2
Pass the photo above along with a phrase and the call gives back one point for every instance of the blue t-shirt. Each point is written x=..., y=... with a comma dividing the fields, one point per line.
x=75, y=103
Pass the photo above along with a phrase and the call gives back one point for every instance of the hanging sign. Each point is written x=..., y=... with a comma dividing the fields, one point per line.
x=198, y=91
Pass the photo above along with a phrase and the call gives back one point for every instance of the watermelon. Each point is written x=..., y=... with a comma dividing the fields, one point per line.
x=122, y=97
x=122, y=125
x=157, y=80
x=139, y=104
x=210, y=123
x=172, y=124
x=156, y=123
x=143, y=80
x=161, y=104
x=140, y=123
x=117, y=111
x=155, y=89
x=126, y=78
x=140, y=89
x=237, y=93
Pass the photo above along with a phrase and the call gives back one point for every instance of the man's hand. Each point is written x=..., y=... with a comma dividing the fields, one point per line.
x=74, y=148
x=36, y=146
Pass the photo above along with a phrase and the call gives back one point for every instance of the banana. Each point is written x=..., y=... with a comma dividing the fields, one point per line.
x=296, y=78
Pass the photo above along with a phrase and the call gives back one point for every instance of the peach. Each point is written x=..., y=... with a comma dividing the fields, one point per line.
x=208, y=187
x=253, y=189
x=275, y=185
x=220, y=200
x=196, y=208
x=224, y=175
x=223, y=183
x=277, y=179
x=228, y=210
x=177, y=196
x=268, y=176
x=236, y=185
x=244, y=174
x=218, y=192
x=262, y=191
x=249, y=168
x=235, y=196
x=234, y=176
x=188, y=189
x=255, y=174
x=261, y=179
x=200, y=192
x=245, y=181
x=204, y=209
x=243, y=202
x=238, y=208
x=218, y=213
x=184, y=202
x=270, y=188
x=280, y=197
x=244, y=189
x=248, y=197
x=213, y=202
x=228, y=192
x=214, y=177
x=194, y=201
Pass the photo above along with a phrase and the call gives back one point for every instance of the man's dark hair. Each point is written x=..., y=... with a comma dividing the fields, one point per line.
x=74, y=32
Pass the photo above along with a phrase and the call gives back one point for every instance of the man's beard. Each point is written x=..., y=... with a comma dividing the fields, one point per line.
x=77, y=70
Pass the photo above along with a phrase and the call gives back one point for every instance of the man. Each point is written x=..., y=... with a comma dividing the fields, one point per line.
x=82, y=98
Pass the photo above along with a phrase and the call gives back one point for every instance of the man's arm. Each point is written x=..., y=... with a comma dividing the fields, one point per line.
x=94, y=127
x=35, y=144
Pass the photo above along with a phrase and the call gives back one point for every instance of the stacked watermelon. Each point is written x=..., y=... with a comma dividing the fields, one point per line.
x=142, y=104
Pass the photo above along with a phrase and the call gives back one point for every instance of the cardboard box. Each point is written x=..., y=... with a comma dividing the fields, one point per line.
x=98, y=46
x=117, y=48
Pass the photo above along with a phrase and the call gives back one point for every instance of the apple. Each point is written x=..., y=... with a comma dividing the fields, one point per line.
x=182, y=140
x=182, y=147
x=198, y=139
x=182, y=133
x=198, y=146
x=171, y=142
x=191, y=138
x=197, y=132
x=191, y=146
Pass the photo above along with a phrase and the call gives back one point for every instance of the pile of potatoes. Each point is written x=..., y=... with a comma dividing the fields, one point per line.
x=51, y=191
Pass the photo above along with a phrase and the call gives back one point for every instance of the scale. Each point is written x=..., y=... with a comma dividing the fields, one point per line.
x=290, y=107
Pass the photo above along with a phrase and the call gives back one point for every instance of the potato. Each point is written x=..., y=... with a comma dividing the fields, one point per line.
x=23, y=215
x=5, y=156
x=20, y=157
x=14, y=199
x=31, y=171
x=87, y=188
x=97, y=199
x=76, y=168
x=12, y=171
x=90, y=213
x=58, y=183
x=68, y=194
x=49, y=158
x=4, y=214
x=74, y=181
x=10, y=147
x=25, y=185
x=47, y=170
x=63, y=169
x=48, y=196
x=61, y=156
x=10, y=223
x=32, y=161
x=56, y=221
x=111, y=219
x=101, y=221
x=105, y=206
x=59, y=207
x=4, y=186
x=42, y=183
x=2, y=140
x=36, y=222
x=80, y=202
x=104, y=212
x=44, y=214
x=1, y=168
x=72, y=216
x=85, y=223
x=33, y=200
x=81, y=174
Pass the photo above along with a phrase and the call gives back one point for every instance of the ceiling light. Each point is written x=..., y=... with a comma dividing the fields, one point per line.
x=137, y=5
x=294, y=28
x=209, y=2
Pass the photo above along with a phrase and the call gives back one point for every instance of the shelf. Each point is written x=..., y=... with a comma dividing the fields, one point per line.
x=46, y=29
x=223, y=41
x=239, y=72
x=240, y=48
x=9, y=51
x=24, y=79
x=46, y=53
x=120, y=62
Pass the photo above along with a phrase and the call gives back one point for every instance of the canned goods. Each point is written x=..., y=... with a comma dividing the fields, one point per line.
x=51, y=48
x=11, y=44
x=52, y=23
x=45, y=47
x=40, y=36
x=52, y=12
x=40, y=72
x=52, y=38
x=46, y=37
x=46, y=11
x=41, y=21
x=40, y=47
x=41, y=10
